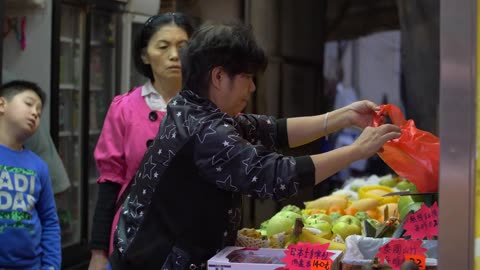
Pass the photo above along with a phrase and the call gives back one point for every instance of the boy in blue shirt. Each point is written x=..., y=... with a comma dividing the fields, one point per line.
x=29, y=227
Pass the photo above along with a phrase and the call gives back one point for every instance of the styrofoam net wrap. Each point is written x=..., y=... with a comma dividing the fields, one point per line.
x=361, y=250
x=249, y=241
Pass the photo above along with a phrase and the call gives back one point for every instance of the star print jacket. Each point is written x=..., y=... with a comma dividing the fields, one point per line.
x=183, y=205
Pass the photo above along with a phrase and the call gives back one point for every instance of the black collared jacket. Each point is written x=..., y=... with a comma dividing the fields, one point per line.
x=184, y=202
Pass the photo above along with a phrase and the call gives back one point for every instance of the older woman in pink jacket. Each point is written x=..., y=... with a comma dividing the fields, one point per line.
x=133, y=120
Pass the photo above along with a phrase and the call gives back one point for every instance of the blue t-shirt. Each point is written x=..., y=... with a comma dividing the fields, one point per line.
x=29, y=227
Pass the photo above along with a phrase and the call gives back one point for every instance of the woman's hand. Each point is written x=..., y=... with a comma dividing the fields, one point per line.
x=360, y=113
x=99, y=260
x=373, y=138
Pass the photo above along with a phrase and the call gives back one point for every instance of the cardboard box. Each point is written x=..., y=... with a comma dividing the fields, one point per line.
x=256, y=259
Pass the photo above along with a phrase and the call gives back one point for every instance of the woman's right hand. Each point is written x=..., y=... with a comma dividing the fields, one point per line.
x=373, y=138
x=99, y=260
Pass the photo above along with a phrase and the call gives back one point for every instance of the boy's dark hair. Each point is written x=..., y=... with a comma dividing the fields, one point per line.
x=230, y=46
x=151, y=26
x=13, y=88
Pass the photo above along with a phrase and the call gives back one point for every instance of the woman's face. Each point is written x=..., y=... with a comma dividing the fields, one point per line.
x=162, y=52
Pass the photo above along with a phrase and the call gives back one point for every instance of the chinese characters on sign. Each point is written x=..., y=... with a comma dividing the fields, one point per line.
x=306, y=256
x=423, y=223
x=394, y=252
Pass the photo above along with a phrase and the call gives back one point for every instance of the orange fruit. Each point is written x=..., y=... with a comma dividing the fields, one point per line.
x=336, y=208
x=373, y=214
x=351, y=211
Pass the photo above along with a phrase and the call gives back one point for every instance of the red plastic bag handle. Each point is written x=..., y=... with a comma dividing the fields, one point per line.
x=392, y=111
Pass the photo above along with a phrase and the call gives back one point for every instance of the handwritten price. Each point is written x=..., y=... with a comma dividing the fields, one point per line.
x=417, y=259
x=321, y=264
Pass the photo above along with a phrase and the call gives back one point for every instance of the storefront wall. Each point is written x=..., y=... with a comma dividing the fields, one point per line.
x=457, y=133
x=29, y=63
x=477, y=171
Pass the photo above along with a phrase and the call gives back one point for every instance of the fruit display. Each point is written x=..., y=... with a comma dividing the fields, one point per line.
x=360, y=208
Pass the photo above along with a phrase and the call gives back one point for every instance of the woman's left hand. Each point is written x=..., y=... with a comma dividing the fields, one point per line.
x=360, y=113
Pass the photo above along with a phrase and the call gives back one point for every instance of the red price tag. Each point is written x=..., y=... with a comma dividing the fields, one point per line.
x=306, y=256
x=321, y=265
x=417, y=259
x=393, y=253
x=423, y=223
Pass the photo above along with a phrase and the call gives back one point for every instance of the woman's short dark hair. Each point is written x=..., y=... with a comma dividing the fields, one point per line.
x=10, y=89
x=230, y=46
x=151, y=26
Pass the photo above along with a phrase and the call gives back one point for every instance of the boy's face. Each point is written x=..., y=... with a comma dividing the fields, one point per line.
x=22, y=112
x=236, y=92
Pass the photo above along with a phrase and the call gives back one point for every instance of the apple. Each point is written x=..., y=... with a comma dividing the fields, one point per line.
x=321, y=217
x=344, y=229
x=405, y=185
x=389, y=182
x=361, y=215
x=322, y=225
x=349, y=219
x=334, y=216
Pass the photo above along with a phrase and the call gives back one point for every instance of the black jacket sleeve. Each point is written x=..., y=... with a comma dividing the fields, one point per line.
x=263, y=130
x=228, y=158
x=103, y=215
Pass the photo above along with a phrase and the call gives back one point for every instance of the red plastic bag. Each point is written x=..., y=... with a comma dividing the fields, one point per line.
x=415, y=155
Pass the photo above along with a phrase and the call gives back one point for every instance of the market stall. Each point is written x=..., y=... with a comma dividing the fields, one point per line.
x=358, y=221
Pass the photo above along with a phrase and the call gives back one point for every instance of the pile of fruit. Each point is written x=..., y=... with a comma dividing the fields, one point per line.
x=358, y=208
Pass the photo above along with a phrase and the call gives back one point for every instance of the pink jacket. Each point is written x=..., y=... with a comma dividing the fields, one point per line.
x=123, y=140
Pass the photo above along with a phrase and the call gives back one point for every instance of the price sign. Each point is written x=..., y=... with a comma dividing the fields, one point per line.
x=393, y=253
x=321, y=265
x=417, y=259
x=306, y=256
x=423, y=223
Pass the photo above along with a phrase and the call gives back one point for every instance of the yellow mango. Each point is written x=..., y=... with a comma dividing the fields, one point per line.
x=325, y=203
x=365, y=204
